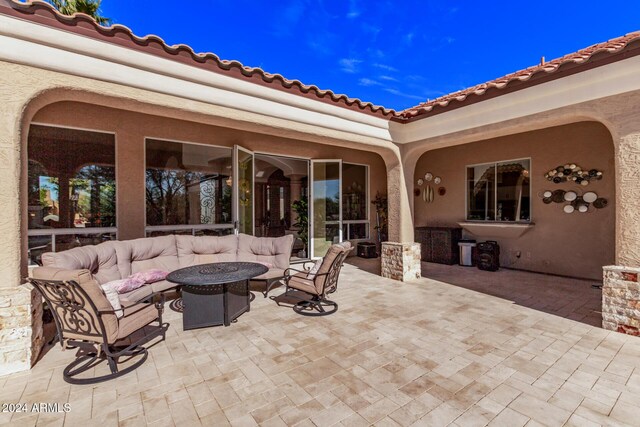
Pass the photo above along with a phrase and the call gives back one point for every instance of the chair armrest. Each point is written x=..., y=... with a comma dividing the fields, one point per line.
x=287, y=272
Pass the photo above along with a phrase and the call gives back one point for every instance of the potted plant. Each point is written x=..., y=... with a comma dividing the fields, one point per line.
x=380, y=203
x=301, y=208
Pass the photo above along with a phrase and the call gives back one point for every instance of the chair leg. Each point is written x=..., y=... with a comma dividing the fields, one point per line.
x=316, y=306
x=88, y=360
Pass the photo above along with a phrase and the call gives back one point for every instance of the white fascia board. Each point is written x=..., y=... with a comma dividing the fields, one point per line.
x=604, y=81
x=48, y=48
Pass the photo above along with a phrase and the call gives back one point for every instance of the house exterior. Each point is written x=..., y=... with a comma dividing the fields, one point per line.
x=97, y=124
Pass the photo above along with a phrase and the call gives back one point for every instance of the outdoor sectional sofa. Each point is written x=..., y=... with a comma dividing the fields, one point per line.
x=114, y=260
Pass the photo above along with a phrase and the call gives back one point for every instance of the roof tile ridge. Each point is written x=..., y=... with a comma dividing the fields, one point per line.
x=611, y=46
x=113, y=30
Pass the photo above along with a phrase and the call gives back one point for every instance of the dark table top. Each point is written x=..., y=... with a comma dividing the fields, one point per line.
x=216, y=273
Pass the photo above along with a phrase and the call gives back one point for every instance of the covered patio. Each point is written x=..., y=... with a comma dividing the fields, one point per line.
x=460, y=355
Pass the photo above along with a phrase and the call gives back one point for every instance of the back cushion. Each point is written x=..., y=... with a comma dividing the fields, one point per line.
x=147, y=253
x=194, y=250
x=274, y=250
x=100, y=260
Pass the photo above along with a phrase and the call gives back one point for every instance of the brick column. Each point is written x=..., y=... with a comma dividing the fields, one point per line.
x=401, y=261
x=621, y=300
x=20, y=305
x=401, y=255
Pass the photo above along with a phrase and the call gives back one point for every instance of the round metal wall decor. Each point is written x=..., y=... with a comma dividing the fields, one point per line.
x=571, y=172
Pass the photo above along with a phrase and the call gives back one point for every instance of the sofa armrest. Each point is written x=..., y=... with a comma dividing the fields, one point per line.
x=55, y=273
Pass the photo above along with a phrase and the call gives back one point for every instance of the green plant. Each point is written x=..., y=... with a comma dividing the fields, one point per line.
x=381, y=205
x=88, y=7
x=301, y=207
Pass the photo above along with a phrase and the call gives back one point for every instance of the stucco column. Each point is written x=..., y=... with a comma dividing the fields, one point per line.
x=131, y=182
x=621, y=287
x=400, y=255
x=20, y=305
x=296, y=193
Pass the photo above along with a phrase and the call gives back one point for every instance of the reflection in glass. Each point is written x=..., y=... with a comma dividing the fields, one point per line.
x=513, y=202
x=326, y=206
x=187, y=184
x=245, y=192
x=499, y=191
x=354, y=192
x=71, y=178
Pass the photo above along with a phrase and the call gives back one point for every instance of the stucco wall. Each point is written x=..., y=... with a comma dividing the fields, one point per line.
x=575, y=244
x=131, y=129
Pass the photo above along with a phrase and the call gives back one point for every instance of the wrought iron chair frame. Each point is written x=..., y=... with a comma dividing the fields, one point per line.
x=315, y=306
x=96, y=347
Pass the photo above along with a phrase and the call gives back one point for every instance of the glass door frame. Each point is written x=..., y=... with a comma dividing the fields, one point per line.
x=312, y=254
x=235, y=189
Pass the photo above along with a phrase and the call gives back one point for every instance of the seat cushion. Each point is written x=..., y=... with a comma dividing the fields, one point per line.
x=194, y=250
x=273, y=273
x=299, y=281
x=136, y=295
x=130, y=323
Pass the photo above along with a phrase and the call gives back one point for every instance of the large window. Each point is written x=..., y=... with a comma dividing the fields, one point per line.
x=188, y=188
x=355, y=201
x=499, y=191
x=71, y=189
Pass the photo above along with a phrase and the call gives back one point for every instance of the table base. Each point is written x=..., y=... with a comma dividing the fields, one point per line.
x=214, y=305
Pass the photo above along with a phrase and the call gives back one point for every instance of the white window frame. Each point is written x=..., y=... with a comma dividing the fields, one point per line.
x=495, y=202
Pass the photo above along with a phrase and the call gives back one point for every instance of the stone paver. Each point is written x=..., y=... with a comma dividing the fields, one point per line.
x=458, y=347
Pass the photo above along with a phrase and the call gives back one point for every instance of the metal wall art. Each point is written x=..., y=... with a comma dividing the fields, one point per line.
x=574, y=202
x=428, y=192
x=573, y=173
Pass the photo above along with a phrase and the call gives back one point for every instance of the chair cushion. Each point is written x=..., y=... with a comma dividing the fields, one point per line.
x=147, y=253
x=101, y=260
x=274, y=250
x=299, y=281
x=136, y=295
x=130, y=323
x=113, y=297
x=194, y=250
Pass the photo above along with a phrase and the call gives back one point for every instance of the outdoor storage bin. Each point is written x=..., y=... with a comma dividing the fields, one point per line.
x=466, y=252
x=367, y=250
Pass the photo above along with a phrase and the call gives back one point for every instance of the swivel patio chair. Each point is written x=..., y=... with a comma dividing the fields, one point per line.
x=86, y=320
x=318, y=286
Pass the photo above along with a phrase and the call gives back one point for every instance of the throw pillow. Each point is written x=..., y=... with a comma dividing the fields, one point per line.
x=129, y=284
x=314, y=270
x=114, y=300
x=151, y=276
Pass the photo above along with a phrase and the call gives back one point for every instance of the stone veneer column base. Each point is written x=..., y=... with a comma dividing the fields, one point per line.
x=621, y=300
x=401, y=261
x=21, y=336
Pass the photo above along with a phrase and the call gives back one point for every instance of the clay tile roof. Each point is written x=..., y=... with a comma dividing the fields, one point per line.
x=584, y=59
x=43, y=13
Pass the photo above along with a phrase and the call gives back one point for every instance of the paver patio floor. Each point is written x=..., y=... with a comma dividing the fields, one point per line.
x=423, y=353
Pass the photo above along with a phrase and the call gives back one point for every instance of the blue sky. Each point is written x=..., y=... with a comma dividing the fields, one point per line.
x=390, y=53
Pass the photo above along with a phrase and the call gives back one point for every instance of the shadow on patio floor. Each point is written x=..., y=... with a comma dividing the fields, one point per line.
x=573, y=299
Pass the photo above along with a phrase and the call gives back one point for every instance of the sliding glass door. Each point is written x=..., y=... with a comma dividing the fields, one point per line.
x=326, y=206
x=243, y=190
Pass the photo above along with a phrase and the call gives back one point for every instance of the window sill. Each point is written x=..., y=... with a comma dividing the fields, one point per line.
x=509, y=230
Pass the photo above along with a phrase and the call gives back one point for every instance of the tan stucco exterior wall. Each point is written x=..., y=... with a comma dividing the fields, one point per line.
x=131, y=129
x=575, y=245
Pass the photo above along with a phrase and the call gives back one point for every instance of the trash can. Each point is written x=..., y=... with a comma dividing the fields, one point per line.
x=466, y=252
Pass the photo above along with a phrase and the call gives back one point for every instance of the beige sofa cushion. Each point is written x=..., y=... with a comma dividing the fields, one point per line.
x=194, y=250
x=273, y=250
x=147, y=253
x=100, y=260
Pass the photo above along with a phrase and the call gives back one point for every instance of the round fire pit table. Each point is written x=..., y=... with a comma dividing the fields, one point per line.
x=215, y=294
